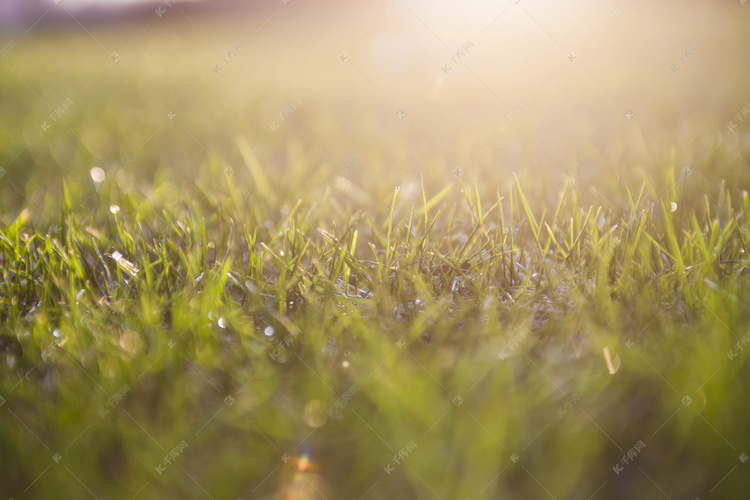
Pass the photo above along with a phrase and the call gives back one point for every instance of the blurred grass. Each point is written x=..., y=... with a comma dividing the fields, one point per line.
x=232, y=280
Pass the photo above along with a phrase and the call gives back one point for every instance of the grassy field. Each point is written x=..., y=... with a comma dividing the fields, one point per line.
x=264, y=258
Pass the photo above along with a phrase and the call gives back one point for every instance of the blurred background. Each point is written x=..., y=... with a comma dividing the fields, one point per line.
x=480, y=89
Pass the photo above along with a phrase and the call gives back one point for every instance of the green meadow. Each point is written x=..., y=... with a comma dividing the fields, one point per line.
x=250, y=259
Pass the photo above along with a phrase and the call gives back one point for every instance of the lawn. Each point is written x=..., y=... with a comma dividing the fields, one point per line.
x=266, y=258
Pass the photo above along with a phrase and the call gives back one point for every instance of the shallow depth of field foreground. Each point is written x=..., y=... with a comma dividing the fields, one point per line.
x=403, y=250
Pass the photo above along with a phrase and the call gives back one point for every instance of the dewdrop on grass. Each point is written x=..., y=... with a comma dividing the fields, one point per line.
x=125, y=264
x=97, y=175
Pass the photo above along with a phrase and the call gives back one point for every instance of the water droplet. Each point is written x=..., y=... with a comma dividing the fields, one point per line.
x=97, y=175
x=674, y=206
x=345, y=363
x=314, y=414
x=268, y=331
x=281, y=252
x=130, y=341
x=114, y=209
x=222, y=323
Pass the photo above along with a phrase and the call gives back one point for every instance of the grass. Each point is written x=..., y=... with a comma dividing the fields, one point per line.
x=285, y=326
